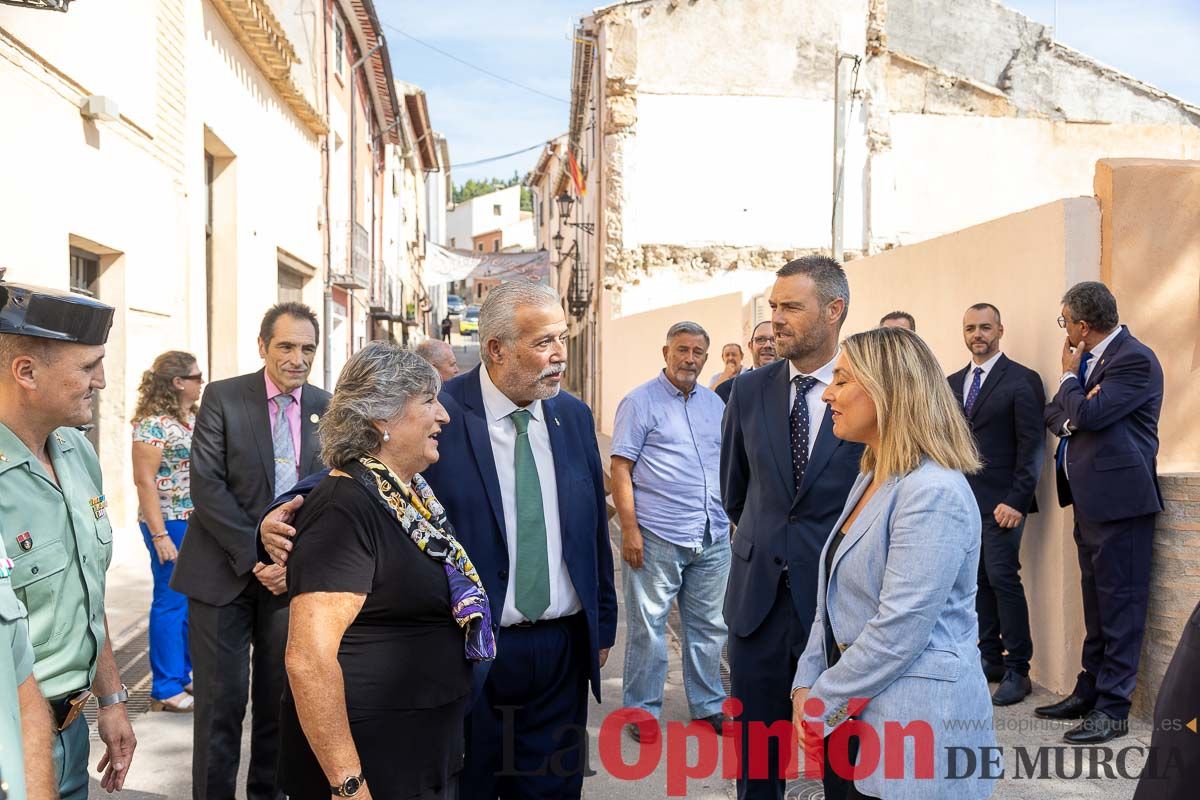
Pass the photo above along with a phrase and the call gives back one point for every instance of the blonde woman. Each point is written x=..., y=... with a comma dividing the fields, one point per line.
x=895, y=627
x=162, y=447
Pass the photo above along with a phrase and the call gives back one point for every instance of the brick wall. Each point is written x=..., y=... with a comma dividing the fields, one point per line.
x=1174, y=583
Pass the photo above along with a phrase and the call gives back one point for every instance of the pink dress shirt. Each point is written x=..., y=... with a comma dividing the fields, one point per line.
x=292, y=413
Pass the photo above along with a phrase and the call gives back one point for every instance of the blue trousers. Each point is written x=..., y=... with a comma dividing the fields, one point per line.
x=170, y=661
x=695, y=577
x=527, y=734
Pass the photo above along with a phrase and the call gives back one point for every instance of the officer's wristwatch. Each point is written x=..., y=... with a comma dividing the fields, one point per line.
x=112, y=699
x=349, y=787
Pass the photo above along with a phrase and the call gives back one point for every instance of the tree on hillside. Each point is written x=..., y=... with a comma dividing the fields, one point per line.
x=473, y=188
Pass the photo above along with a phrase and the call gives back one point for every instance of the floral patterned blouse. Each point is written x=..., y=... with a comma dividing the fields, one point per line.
x=173, y=479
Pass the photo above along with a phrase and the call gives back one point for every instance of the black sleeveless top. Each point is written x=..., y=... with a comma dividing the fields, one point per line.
x=832, y=651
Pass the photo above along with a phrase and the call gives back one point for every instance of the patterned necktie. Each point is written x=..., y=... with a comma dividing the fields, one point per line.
x=285, y=448
x=800, y=423
x=532, y=593
x=973, y=392
x=1060, y=455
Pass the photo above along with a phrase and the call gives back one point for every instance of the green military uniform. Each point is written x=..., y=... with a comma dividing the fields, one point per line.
x=56, y=529
x=60, y=538
x=16, y=665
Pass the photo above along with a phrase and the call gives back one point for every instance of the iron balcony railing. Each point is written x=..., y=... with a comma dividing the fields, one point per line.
x=351, y=255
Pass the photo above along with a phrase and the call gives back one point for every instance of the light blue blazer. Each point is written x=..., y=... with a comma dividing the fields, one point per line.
x=901, y=603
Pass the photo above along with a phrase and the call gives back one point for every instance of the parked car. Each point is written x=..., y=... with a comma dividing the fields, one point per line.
x=454, y=305
x=470, y=321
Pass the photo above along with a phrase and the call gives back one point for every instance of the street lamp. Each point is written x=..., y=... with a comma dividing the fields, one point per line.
x=564, y=205
x=558, y=242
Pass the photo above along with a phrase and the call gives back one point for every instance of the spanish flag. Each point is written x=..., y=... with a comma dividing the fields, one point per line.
x=577, y=176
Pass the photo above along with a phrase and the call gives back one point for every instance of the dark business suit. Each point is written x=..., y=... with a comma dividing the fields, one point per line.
x=1006, y=421
x=1111, y=479
x=769, y=612
x=1173, y=765
x=232, y=482
x=725, y=387
x=537, y=686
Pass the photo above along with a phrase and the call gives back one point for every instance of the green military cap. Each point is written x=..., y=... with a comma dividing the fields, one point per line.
x=52, y=314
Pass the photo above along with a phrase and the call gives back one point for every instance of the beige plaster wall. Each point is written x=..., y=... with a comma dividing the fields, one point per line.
x=1151, y=261
x=1022, y=264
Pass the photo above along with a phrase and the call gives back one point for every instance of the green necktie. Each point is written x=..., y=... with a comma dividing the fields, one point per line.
x=533, y=565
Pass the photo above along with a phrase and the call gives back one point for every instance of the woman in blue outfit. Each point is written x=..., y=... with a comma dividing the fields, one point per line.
x=893, y=644
x=162, y=445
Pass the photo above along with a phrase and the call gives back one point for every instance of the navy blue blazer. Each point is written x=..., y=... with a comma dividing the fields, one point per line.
x=1006, y=421
x=465, y=481
x=1112, y=455
x=776, y=525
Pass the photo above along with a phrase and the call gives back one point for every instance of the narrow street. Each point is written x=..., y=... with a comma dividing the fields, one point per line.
x=162, y=765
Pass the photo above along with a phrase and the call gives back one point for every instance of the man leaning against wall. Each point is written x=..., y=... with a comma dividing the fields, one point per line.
x=1106, y=412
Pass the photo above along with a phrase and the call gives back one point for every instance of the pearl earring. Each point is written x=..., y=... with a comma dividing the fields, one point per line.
x=387, y=437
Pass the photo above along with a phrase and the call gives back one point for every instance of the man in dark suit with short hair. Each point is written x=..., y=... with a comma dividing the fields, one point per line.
x=254, y=436
x=544, y=539
x=1003, y=402
x=762, y=352
x=1106, y=411
x=784, y=480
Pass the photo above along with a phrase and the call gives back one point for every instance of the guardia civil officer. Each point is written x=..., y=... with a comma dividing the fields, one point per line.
x=54, y=521
x=25, y=767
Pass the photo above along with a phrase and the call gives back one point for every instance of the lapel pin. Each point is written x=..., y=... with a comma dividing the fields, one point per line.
x=556, y=422
x=25, y=542
x=59, y=438
x=314, y=419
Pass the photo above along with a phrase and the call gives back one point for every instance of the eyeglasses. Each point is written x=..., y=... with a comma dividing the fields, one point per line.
x=1062, y=322
x=199, y=376
x=761, y=340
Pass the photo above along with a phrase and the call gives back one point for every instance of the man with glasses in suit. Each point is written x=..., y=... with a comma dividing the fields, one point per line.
x=762, y=352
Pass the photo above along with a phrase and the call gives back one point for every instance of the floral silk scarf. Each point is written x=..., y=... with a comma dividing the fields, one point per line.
x=424, y=520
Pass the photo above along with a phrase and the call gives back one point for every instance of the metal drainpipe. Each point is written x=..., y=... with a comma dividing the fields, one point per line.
x=327, y=350
x=354, y=176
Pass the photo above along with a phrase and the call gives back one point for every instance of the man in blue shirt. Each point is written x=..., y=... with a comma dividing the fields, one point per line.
x=666, y=485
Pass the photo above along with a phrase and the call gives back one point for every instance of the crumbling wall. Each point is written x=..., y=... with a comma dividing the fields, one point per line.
x=985, y=42
x=634, y=264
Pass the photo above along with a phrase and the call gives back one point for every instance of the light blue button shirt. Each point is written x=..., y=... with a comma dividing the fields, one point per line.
x=675, y=444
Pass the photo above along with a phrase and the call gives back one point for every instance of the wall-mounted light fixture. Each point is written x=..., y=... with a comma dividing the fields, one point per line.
x=564, y=202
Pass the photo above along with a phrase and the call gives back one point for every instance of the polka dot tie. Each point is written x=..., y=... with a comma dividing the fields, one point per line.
x=800, y=423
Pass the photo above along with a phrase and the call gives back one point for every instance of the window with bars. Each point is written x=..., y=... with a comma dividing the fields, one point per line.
x=339, y=46
x=85, y=271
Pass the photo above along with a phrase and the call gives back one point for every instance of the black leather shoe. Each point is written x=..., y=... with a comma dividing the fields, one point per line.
x=1071, y=707
x=1013, y=689
x=715, y=721
x=993, y=672
x=643, y=731
x=1096, y=728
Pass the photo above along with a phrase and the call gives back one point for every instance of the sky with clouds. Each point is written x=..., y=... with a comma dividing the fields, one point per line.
x=528, y=41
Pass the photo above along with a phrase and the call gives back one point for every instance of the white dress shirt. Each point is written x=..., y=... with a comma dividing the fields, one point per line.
x=503, y=435
x=816, y=406
x=987, y=370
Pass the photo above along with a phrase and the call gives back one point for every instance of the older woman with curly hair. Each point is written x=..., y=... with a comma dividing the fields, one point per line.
x=387, y=612
x=162, y=446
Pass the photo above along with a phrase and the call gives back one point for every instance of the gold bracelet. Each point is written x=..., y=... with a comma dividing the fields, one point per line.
x=154, y=537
